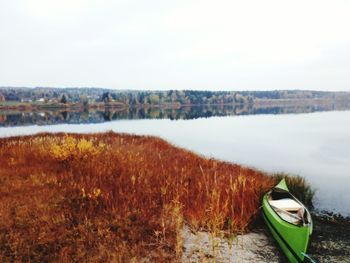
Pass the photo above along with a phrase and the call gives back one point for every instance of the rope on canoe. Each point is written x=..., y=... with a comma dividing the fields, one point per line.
x=309, y=258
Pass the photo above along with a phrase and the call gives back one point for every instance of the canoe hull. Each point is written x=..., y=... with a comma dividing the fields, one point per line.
x=292, y=239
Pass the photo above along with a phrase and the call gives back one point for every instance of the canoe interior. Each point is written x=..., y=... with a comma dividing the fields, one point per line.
x=297, y=215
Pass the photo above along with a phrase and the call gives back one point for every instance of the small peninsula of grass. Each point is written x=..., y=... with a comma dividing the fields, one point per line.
x=115, y=197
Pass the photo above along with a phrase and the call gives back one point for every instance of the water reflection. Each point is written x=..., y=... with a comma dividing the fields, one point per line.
x=50, y=117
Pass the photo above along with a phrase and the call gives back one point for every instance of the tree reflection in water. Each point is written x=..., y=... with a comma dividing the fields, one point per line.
x=50, y=117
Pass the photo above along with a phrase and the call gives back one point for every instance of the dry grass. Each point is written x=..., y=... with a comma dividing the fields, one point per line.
x=114, y=197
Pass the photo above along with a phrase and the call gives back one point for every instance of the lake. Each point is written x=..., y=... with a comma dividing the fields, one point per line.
x=310, y=141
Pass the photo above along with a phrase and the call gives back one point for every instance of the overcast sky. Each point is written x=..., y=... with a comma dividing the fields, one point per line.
x=176, y=44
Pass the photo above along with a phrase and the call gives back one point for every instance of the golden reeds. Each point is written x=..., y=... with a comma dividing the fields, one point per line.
x=115, y=197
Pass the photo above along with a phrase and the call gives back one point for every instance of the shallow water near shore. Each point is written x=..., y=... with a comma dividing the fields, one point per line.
x=313, y=145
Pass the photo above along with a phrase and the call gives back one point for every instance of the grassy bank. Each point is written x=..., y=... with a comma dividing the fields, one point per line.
x=115, y=197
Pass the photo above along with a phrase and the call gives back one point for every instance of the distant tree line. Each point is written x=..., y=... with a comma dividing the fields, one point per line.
x=171, y=97
x=168, y=97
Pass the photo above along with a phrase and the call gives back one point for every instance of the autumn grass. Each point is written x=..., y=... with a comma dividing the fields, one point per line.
x=115, y=198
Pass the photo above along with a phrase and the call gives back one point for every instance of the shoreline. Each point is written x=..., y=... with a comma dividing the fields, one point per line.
x=330, y=240
x=329, y=243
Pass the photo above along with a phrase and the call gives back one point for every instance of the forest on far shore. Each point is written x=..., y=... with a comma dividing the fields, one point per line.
x=140, y=97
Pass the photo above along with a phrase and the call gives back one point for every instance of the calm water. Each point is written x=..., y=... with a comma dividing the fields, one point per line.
x=315, y=145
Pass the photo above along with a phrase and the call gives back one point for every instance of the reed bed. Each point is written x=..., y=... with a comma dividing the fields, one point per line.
x=115, y=198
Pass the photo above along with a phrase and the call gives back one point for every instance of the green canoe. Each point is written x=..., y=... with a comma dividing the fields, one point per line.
x=288, y=220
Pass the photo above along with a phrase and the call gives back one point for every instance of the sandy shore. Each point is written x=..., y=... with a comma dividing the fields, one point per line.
x=330, y=242
x=255, y=246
